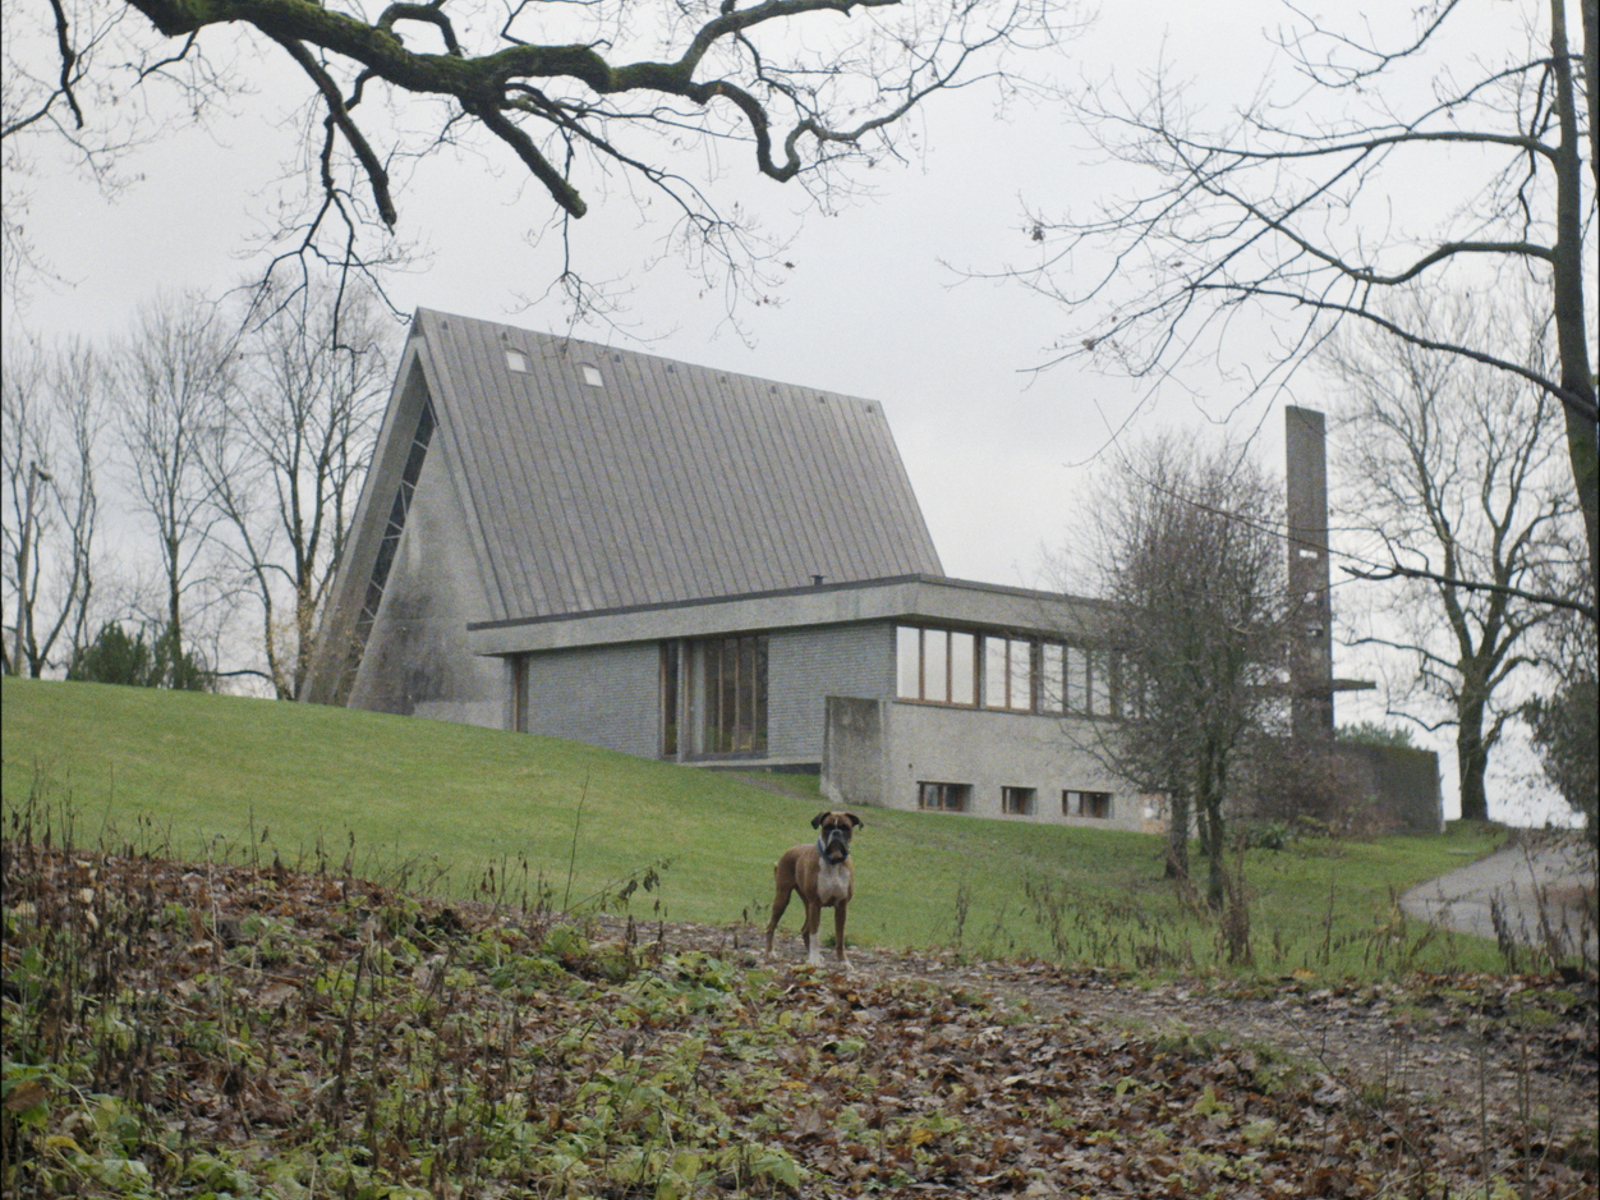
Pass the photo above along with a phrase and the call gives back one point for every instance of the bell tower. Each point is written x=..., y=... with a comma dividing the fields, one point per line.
x=1311, y=644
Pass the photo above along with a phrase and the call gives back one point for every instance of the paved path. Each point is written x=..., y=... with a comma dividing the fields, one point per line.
x=1543, y=890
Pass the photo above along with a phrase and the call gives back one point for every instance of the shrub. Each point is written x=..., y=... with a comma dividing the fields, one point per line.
x=1565, y=729
x=114, y=657
x=1374, y=733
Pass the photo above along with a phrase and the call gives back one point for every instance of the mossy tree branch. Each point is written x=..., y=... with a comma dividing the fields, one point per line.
x=492, y=87
x=583, y=95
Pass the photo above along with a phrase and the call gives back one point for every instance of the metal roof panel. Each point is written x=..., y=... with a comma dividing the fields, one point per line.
x=668, y=481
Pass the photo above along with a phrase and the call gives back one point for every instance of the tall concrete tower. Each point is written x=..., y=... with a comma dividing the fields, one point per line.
x=1311, y=648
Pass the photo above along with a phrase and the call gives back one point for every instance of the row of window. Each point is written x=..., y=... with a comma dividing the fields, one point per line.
x=1014, y=801
x=1028, y=675
x=724, y=691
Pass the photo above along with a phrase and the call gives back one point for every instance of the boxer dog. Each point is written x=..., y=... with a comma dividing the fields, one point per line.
x=821, y=872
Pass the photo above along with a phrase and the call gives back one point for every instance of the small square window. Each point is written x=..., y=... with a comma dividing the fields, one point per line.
x=516, y=361
x=951, y=797
x=591, y=375
x=1086, y=804
x=1017, y=801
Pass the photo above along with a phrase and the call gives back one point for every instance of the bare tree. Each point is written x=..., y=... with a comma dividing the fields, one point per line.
x=1189, y=547
x=43, y=101
x=593, y=96
x=53, y=411
x=286, y=459
x=1307, y=204
x=1454, y=467
x=174, y=376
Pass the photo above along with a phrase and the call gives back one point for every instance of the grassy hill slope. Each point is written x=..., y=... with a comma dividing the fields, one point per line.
x=441, y=806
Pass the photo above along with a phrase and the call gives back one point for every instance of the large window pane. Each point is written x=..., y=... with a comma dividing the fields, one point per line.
x=1099, y=683
x=994, y=672
x=1052, y=667
x=1008, y=673
x=1021, y=689
x=1077, y=680
x=733, y=690
x=908, y=662
x=1105, y=683
x=935, y=664
x=669, y=699
x=963, y=668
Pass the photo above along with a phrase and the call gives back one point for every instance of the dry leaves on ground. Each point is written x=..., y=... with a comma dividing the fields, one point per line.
x=182, y=1030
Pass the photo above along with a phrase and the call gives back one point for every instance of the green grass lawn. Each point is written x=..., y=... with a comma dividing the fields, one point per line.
x=440, y=806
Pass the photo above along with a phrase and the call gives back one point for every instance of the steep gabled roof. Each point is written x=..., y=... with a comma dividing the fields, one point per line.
x=662, y=481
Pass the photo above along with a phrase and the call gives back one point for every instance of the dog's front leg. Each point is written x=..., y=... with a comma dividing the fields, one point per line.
x=813, y=934
x=838, y=931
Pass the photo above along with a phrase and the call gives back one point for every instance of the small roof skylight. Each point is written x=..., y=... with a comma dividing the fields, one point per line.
x=591, y=375
x=516, y=361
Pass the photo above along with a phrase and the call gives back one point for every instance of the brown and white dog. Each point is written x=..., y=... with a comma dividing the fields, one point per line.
x=821, y=872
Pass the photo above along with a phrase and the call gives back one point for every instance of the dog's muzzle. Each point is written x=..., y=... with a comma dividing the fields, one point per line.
x=834, y=844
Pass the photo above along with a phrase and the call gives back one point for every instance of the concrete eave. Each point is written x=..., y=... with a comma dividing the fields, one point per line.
x=911, y=598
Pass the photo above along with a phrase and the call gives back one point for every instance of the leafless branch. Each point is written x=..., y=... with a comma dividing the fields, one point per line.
x=1283, y=213
x=339, y=115
x=1385, y=574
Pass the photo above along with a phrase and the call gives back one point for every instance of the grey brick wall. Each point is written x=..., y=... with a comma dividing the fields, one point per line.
x=607, y=696
x=806, y=666
x=610, y=696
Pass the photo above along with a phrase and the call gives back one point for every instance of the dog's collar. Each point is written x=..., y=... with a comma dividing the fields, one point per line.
x=822, y=849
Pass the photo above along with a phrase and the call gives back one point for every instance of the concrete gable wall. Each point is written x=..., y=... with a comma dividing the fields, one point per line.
x=417, y=661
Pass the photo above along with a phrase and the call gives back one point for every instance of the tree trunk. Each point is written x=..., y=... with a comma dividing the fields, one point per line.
x=1208, y=793
x=1591, y=72
x=305, y=627
x=1567, y=271
x=1216, y=875
x=1178, y=838
x=174, y=591
x=1472, y=761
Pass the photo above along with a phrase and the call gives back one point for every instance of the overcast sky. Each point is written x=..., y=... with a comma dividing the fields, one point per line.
x=873, y=305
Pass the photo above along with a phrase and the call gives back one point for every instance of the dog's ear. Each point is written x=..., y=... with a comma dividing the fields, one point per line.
x=816, y=821
x=855, y=820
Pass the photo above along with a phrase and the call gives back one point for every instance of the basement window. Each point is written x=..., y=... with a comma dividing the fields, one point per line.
x=947, y=797
x=1086, y=804
x=1017, y=801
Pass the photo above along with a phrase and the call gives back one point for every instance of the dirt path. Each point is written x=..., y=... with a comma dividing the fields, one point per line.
x=1449, y=1044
